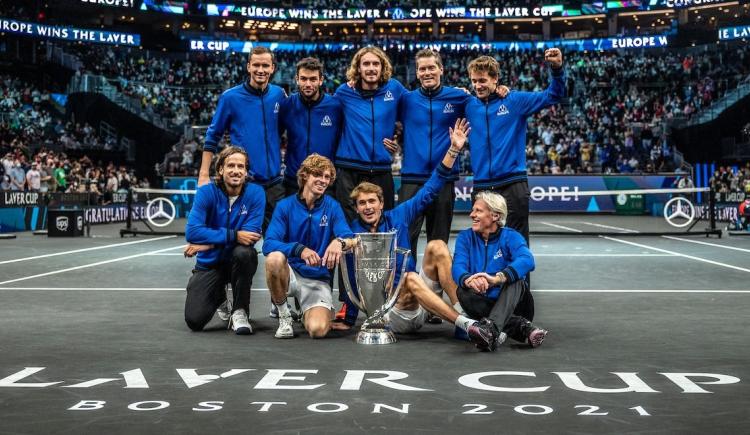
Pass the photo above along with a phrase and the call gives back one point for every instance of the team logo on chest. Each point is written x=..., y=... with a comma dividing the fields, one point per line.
x=388, y=96
x=324, y=221
x=502, y=110
x=243, y=209
x=498, y=254
x=448, y=108
x=276, y=108
x=326, y=122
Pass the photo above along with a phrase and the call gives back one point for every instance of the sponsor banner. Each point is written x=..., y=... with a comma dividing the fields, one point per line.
x=617, y=43
x=555, y=193
x=44, y=31
x=108, y=214
x=12, y=199
x=684, y=4
x=729, y=33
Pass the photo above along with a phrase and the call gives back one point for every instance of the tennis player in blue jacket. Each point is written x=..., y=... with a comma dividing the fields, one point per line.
x=223, y=226
x=250, y=113
x=304, y=242
x=370, y=101
x=312, y=121
x=489, y=264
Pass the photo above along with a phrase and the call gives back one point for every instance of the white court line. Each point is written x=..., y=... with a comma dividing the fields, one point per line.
x=562, y=227
x=704, y=260
x=610, y=227
x=182, y=289
x=83, y=266
x=604, y=255
x=167, y=253
x=707, y=244
x=86, y=249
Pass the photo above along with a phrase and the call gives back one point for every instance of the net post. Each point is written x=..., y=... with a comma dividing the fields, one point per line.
x=129, y=216
x=711, y=209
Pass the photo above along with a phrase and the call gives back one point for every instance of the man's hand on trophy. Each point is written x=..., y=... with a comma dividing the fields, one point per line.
x=333, y=254
x=310, y=257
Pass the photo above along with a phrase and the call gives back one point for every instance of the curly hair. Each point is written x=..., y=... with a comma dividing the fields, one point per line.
x=314, y=164
x=352, y=73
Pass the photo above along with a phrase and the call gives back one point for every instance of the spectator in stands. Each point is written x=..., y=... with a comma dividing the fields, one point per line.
x=17, y=176
x=34, y=178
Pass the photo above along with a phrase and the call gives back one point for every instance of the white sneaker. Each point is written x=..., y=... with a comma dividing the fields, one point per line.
x=286, y=330
x=225, y=310
x=240, y=323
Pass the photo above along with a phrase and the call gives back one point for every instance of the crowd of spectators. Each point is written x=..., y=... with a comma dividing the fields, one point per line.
x=727, y=179
x=613, y=121
x=50, y=171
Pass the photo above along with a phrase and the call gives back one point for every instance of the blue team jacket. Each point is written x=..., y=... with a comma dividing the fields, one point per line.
x=399, y=218
x=505, y=251
x=368, y=120
x=498, y=132
x=213, y=222
x=310, y=128
x=294, y=227
x=251, y=116
x=426, y=117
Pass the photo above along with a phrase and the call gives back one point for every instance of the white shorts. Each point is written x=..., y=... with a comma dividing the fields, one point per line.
x=409, y=321
x=309, y=292
x=406, y=321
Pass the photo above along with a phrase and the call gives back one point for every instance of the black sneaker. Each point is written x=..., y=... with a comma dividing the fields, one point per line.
x=484, y=335
x=537, y=336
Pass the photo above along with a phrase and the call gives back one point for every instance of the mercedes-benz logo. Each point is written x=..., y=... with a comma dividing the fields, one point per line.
x=155, y=209
x=682, y=205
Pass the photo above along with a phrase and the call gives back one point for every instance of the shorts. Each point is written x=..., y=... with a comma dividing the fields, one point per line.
x=409, y=321
x=309, y=292
x=406, y=321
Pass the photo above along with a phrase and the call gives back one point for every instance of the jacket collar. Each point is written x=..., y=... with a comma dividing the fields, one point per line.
x=254, y=91
x=301, y=200
x=431, y=92
x=311, y=103
x=490, y=98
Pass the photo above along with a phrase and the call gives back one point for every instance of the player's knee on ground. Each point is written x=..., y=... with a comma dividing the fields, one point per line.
x=275, y=261
x=317, y=328
x=194, y=323
x=244, y=255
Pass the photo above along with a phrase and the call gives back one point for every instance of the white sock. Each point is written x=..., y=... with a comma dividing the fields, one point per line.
x=464, y=322
x=283, y=309
x=459, y=309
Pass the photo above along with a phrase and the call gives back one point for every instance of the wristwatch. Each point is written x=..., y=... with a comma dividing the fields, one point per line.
x=343, y=243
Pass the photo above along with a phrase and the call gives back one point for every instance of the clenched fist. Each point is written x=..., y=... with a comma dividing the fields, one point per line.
x=553, y=57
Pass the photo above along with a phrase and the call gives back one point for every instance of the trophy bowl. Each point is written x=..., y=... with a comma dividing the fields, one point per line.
x=369, y=272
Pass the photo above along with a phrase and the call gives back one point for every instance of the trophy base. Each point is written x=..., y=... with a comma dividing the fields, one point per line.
x=375, y=336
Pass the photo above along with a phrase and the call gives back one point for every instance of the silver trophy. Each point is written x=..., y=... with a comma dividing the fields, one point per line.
x=374, y=262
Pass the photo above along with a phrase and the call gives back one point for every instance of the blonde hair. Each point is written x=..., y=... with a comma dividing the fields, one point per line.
x=314, y=164
x=352, y=73
x=486, y=64
x=366, y=187
x=496, y=203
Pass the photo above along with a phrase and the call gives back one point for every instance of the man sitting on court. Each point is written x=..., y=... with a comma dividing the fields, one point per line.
x=223, y=226
x=303, y=244
x=489, y=265
x=407, y=315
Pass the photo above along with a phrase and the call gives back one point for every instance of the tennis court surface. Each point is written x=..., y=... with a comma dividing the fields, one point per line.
x=647, y=335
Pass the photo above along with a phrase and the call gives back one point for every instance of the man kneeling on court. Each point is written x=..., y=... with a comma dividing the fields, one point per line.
x=304, y=242
x=489, y=267
x=223, y=226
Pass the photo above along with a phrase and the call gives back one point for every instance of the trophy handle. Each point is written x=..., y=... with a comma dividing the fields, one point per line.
x=402, y=277
x=347, y=284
